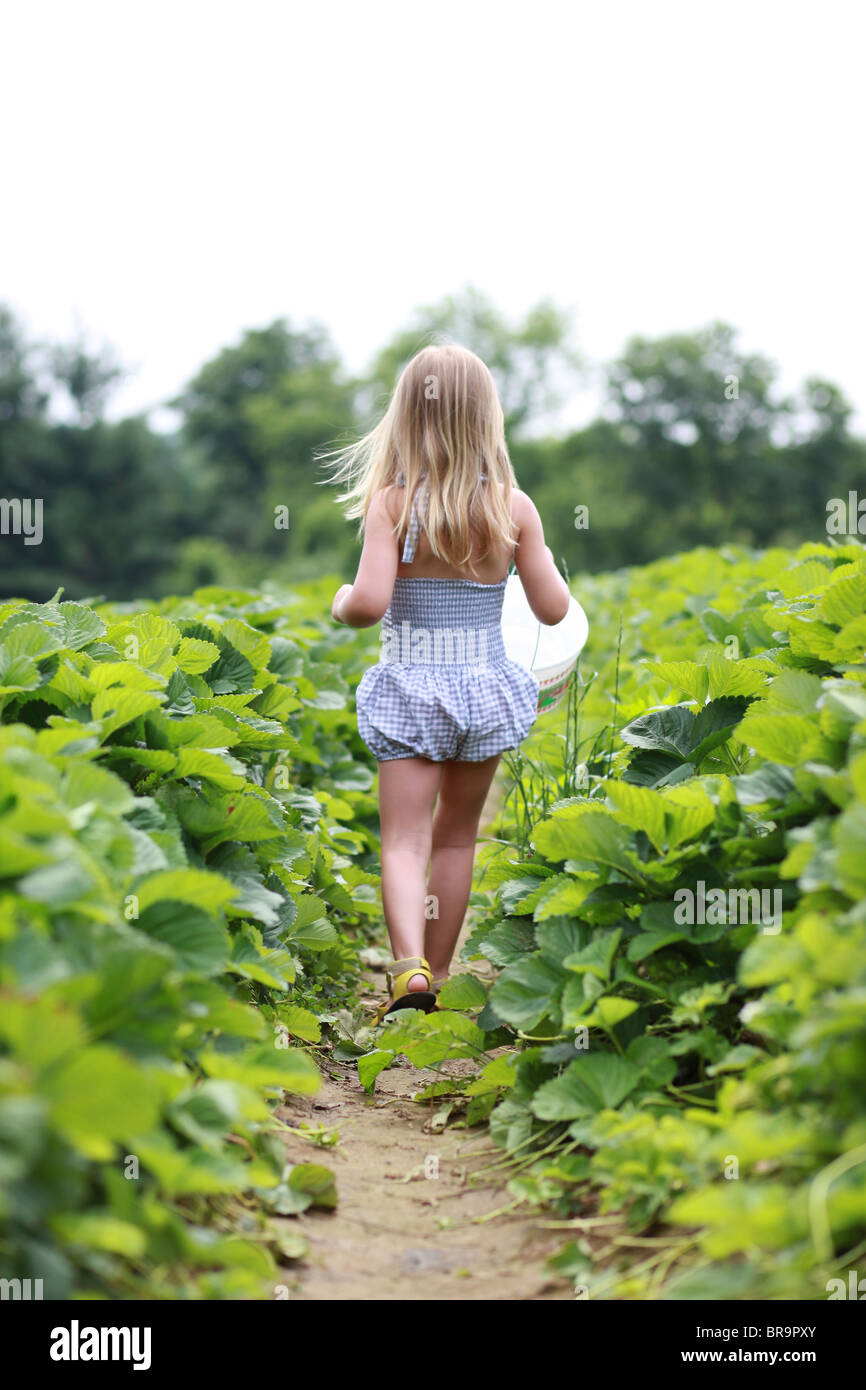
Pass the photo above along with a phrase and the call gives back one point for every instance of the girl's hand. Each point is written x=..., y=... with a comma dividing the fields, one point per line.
x=341, y=593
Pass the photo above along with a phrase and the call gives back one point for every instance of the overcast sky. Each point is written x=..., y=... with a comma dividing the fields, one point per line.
x=177, y=172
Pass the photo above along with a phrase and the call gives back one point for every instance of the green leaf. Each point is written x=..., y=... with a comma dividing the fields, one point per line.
x=597, y=957
x=100, y=1230
x=274, y=1067
x=793, y=692
x=565, y=896
x=683, y=675
x=844, y=600
x=652, y=1058
x=501, y=1071
x=594, y=1082
x=507, y=942
x=609, y=1011
x=253, y=960
x=782, y=738
x=316, y=1181
x=33, y=639
x=641, y=809
x=688, y=812
x=527, y=990
x=557, y=938
x=667, y=730
x=217, y=767
x=652, y=769
x=714, y=725
x=736, y=1060
x=746, y=676
x=16, y=672
x=118, y=706
x=62, y=884
x=199, y=943
x=231, y=673
x=849, y=834
x=586, y=833
x=196, y=656
x=462, y=991
x=808, y=578
x=208, y=891
x=371, y=1064
x=84, y=782
x=199, y=731
x=81, y=625
x=771, y=782
x=301, y=1023
x=97, y=1098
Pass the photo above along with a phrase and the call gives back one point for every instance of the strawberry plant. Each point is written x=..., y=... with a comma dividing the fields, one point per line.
x=186, y=845
x=675, y=1038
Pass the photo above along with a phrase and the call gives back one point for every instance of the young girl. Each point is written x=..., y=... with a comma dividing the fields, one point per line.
x=441, y=518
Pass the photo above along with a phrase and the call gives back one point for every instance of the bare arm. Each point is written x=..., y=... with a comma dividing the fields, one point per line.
x=546, y=590
x=363, y=603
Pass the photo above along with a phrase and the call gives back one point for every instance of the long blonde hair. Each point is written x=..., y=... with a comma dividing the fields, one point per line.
x=444, y=420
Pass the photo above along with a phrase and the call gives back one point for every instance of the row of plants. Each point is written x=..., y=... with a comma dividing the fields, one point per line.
x=187, y=856
x=671, y=1056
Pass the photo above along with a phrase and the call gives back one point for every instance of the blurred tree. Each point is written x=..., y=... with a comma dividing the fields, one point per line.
x=700, y=414
x=23, y=392
x=690, y=386
x=115, y=497
x=697, y=449
x=88, y=377
x=825, y=460
x=253, y=416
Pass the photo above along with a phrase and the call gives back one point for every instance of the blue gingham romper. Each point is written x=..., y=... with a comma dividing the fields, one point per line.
x=443, y=688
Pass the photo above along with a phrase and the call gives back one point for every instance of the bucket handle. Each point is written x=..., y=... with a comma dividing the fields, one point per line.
x=513, y=571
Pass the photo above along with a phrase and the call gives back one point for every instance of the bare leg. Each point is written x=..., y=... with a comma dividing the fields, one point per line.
x=407, y=791
x=462, y=794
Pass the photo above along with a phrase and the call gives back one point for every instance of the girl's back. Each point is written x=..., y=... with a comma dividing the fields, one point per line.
x=491, y=568
x=546, y=591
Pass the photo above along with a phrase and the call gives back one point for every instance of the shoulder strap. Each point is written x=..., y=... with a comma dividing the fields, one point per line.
x=419, y=505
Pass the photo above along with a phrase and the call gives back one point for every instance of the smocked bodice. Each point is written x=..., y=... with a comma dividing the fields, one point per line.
x=443, y=622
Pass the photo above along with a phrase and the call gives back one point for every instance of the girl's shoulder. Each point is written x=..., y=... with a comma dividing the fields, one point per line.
x=522, y=506
x=388, y=500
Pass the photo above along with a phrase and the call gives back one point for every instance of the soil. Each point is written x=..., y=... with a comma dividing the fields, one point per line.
x=420, y=1215
x=410, y=1222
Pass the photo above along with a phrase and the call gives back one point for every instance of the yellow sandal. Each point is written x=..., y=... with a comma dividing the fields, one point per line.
x=399, y=973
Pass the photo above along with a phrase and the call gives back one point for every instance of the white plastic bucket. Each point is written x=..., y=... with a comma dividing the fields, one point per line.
x=548, y=653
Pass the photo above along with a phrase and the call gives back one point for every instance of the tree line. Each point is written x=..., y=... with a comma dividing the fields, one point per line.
x=694, y=445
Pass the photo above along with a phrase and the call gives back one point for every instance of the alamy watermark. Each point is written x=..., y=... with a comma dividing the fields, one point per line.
x=22, y=1290
x=410, y=645
x=77, y=1343
x=734, y=907
x=854, y=1289
x=846, y=517
x=22, y=516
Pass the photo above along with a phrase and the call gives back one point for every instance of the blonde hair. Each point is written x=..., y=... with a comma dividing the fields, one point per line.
x=444, y=419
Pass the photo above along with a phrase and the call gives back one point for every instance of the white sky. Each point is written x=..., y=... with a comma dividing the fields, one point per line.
x=176, y=172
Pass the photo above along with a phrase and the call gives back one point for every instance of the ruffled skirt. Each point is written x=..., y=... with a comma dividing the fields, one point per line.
x=445, y=713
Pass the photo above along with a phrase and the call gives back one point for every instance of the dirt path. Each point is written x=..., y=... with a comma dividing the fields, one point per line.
x=416, y=1217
